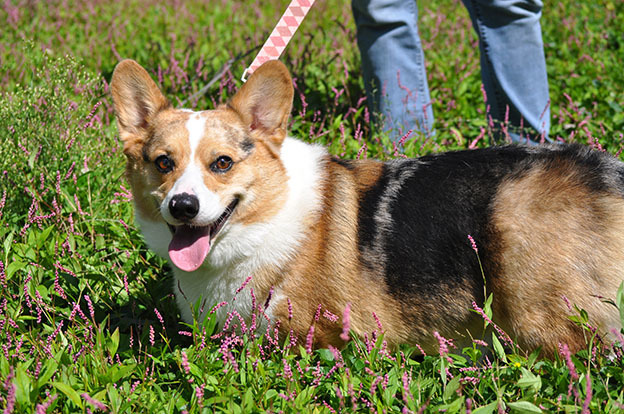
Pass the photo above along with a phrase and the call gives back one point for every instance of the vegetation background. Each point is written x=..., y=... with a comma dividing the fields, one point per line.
x=87, y=318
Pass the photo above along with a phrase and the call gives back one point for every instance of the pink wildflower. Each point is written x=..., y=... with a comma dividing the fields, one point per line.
x=468, y=406
x=287, y=370
x=151, y=335
x=379, y=325
x=159, y=316
x=217, y=306
x=185, y=363
x=473, y=244
x=310, y=339
x=90, y=306
x=12, y=389
x=199, y=393
x=42, y=408
x=97, y=404
x=317, y=315
x=444, y=346
x=125, y=226
x=2, y=201
x=346, y=323
x=330, y=316
x=407, y=395
x=2, y=275
x=588, y=394
x=422, y=351
x=373, y=387
x=565, y=352
x=241, y=287
x=501, y=334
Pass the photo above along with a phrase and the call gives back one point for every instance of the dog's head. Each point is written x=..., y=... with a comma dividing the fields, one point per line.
x=201, y=172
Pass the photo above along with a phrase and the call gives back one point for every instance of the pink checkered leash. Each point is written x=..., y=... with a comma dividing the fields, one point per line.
x=281, y=35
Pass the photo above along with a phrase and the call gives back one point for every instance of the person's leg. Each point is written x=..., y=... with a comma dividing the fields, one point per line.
x=393, y=64
x=513, y=67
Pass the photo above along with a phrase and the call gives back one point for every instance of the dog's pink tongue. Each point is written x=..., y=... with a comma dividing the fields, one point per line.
x=189, y=247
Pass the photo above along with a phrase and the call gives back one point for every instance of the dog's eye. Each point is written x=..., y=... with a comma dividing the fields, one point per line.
x=164, y=164
x=222, y=164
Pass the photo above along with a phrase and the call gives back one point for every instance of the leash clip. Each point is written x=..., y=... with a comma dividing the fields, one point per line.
x=244, y=77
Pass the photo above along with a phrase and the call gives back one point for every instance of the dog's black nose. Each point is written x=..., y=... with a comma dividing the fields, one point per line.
x=184, y=206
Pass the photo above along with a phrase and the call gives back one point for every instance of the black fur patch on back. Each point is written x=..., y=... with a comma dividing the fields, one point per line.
x=367, y=227
x=415, y=221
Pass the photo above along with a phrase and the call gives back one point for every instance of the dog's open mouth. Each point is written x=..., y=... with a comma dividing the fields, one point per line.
x=191, y=244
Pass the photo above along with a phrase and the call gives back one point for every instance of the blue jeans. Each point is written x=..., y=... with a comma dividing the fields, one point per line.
x=513, y=67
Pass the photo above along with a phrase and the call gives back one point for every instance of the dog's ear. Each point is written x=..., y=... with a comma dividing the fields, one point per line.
x=137, y=100
x=265, y=100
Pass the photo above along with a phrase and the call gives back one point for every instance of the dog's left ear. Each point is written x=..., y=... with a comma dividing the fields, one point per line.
x=264, y=102
x=137, y=100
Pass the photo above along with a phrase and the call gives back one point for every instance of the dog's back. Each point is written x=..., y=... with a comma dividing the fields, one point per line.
x=548, y=223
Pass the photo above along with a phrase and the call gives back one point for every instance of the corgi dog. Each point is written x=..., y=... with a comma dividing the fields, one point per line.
x=232, y=201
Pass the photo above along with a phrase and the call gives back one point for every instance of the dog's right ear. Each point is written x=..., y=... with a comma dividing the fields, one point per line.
x=137, y=100
x=265, y=101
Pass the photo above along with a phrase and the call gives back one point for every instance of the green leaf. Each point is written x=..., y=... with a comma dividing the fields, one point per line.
x=487, y=306
x=14, y=267
x=455, y=406
x=69, y=392
x=533, y=357
x=23, y=384
x=303, y=398
x=43, y=236
x=113, y=343
x=243, y=377
x=121, y=372
x=486, y=409
x=7, y=245
x=619, y=300
x=523, y=407
x=498, y=348
x=248, y=400
x=443, y=364
x=270, y=394
x=451, y=387
x=529, y=379
x=221, y=399
x=326, y=355
x=49, y=369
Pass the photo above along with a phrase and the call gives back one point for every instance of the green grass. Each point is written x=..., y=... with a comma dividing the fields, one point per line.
x=87, y=315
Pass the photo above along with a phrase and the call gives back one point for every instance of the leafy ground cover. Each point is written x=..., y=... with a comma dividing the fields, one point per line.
x=87, y=318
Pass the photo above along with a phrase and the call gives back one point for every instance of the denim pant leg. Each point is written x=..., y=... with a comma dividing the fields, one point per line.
x=513, y=67
x=393, y=64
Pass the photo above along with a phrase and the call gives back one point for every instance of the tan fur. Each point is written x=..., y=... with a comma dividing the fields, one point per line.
x=366, y=174
x=269, y=185
x=555, y=236
x=327, y=272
